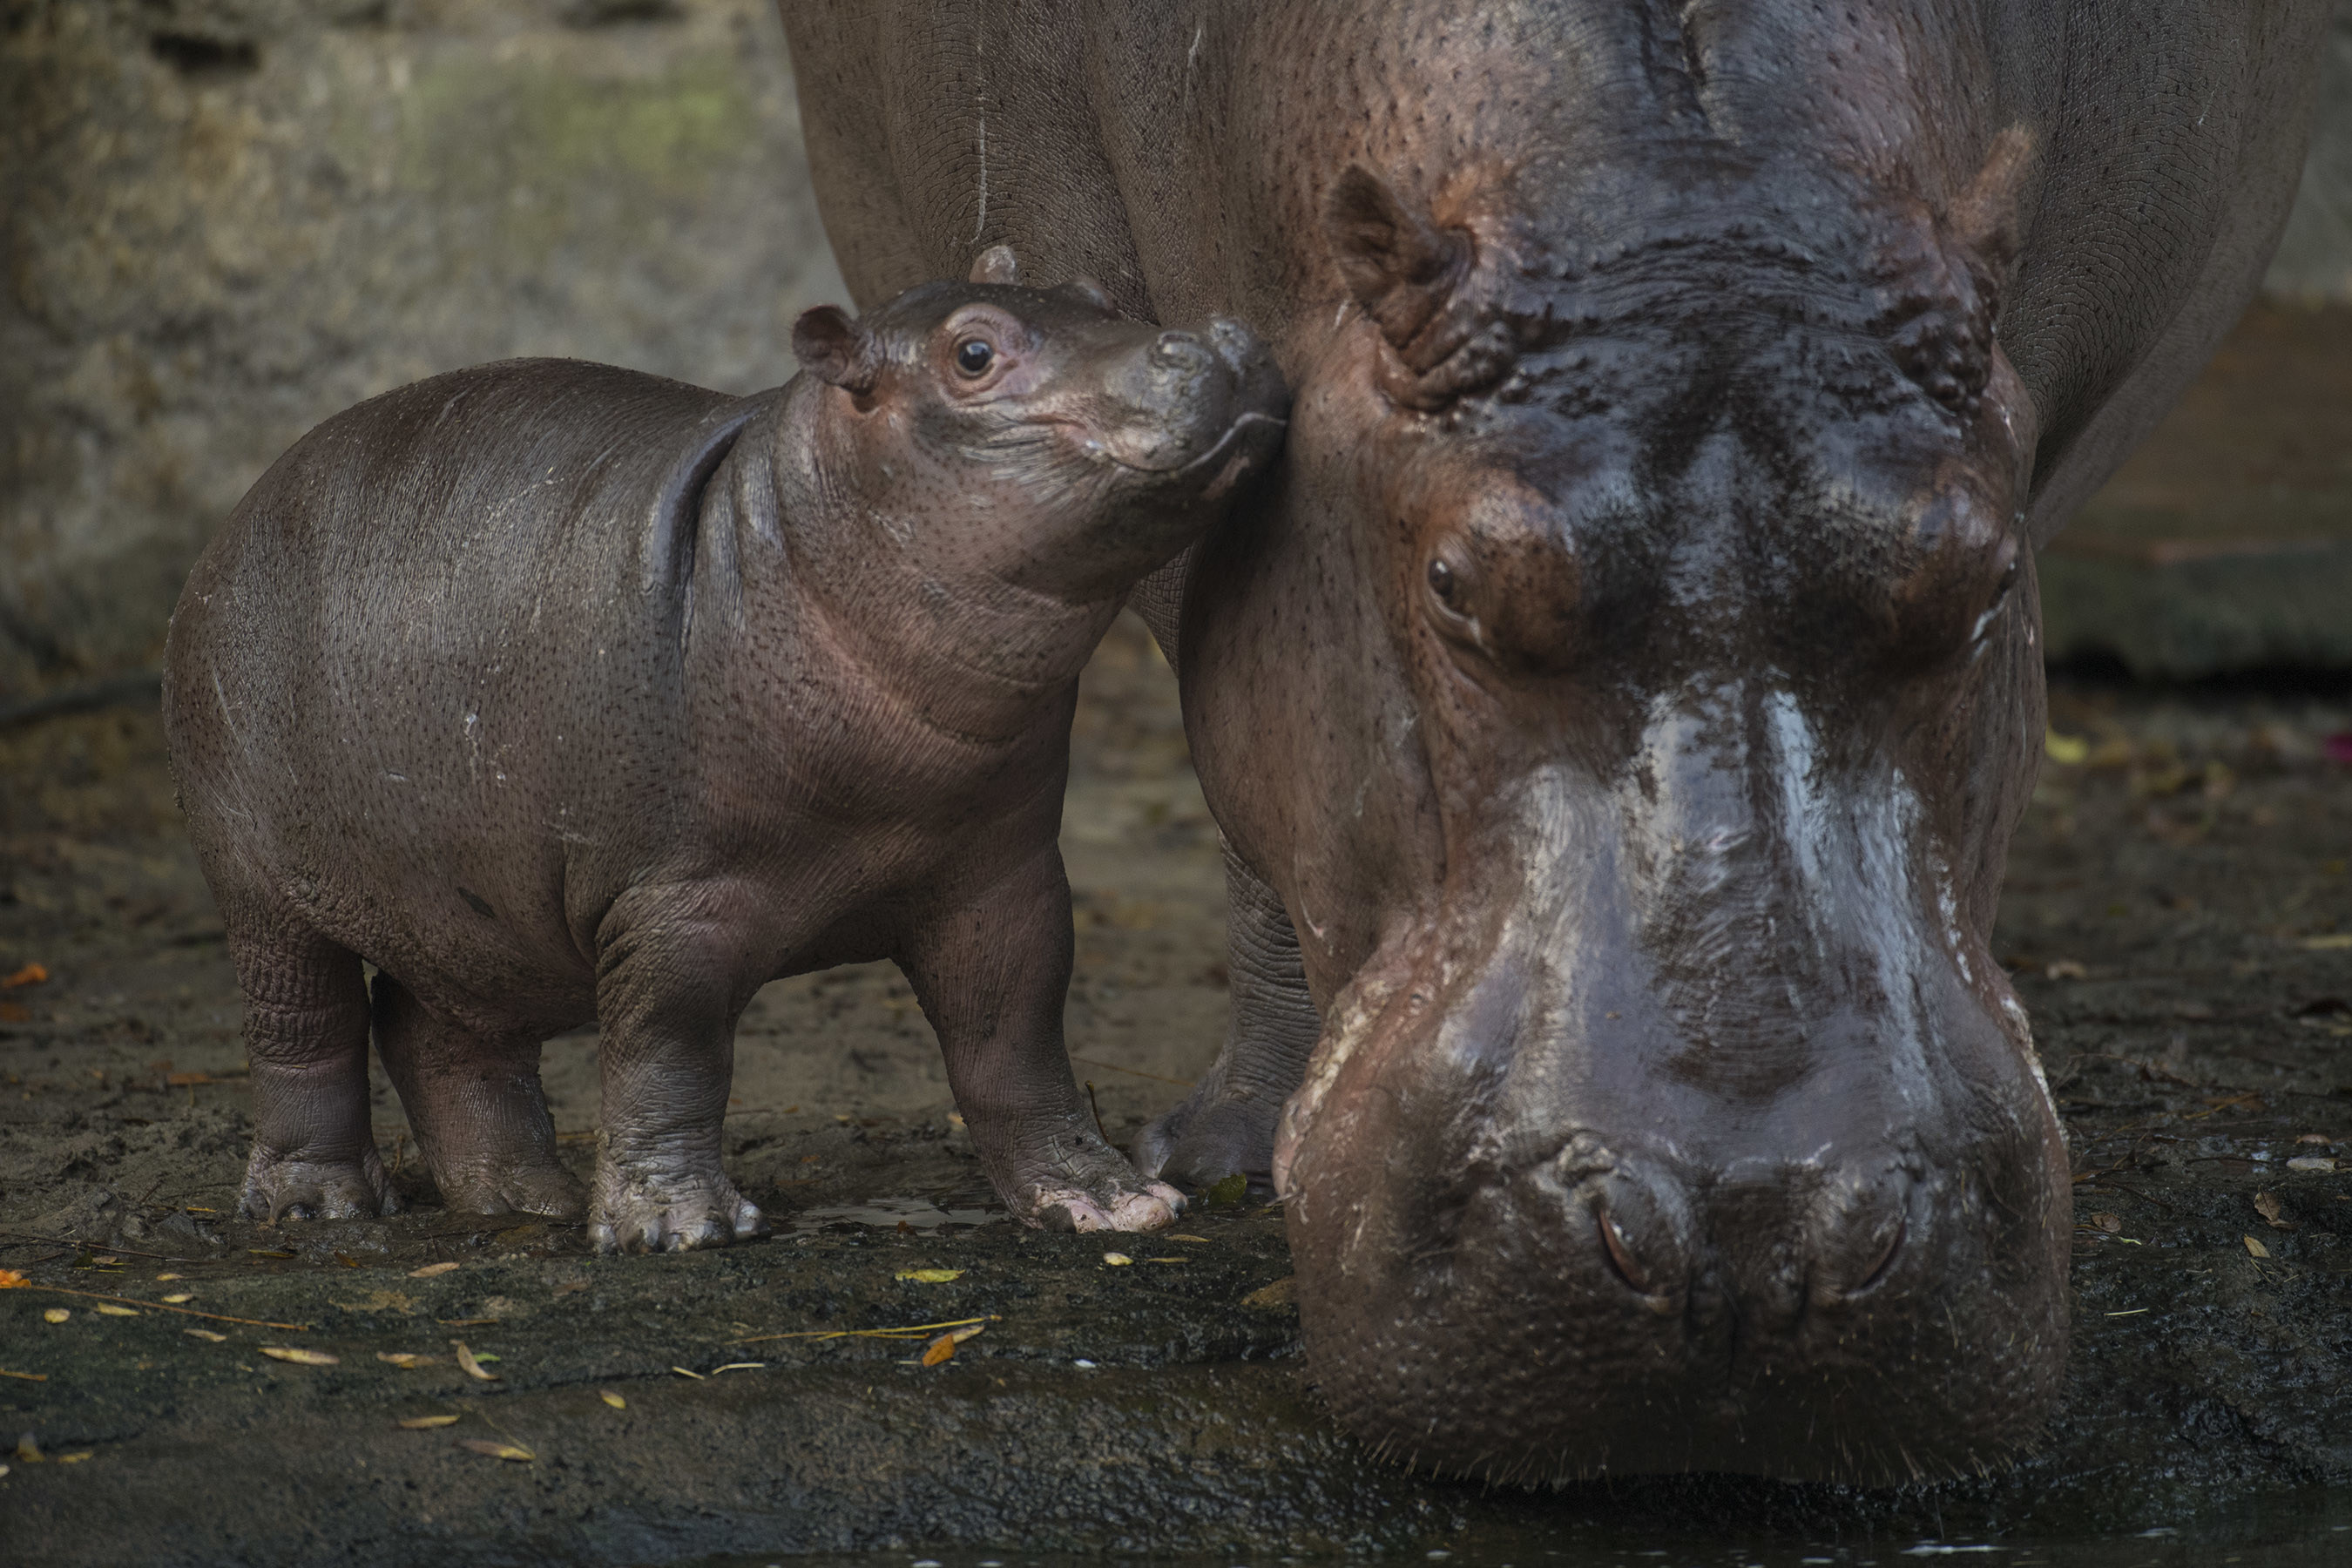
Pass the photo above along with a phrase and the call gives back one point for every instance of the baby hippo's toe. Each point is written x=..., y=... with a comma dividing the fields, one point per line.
x=671, y=1216
x=289, y=1187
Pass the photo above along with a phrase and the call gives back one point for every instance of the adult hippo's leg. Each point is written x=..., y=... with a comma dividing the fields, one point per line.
x=669, y=968
x=1226, y=1124
x=477, y=1108
x=306, y=1030
x=993, y=971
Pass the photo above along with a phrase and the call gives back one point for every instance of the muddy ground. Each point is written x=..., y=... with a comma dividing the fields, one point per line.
x=2179, y=917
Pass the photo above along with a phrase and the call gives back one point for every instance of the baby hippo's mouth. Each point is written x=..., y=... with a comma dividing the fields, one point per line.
x=1194, y=403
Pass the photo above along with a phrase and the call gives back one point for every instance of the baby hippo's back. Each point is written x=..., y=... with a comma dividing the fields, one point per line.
x=399, y=681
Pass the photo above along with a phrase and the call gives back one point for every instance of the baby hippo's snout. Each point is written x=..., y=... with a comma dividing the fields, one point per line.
x=1186, y=399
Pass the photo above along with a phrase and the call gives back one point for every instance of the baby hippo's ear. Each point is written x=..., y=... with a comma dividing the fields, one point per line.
x=996, y=265
x=1087, y=291
x=836, y=349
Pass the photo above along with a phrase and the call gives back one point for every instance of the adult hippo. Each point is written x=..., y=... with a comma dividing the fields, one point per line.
x=1619, y=708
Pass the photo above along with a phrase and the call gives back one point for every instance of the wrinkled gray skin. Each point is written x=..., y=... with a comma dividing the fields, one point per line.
x=562, y=693
x=1619, y=707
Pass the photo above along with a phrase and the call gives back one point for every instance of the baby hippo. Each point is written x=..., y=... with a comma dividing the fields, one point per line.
x=561, y=693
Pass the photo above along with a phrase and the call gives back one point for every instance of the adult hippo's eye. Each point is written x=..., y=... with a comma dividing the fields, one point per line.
x=974, y=356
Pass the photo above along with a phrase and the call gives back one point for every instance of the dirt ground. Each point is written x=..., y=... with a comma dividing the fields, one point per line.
x=2178, y=918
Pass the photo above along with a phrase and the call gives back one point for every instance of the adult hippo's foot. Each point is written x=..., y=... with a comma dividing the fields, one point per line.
x=659, y=1212
x=1226, y=1125
x=293, y=1187
x=1082, y=1184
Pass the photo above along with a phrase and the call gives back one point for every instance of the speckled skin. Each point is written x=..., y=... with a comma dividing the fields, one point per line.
x=1619, y=706
x=562, y=693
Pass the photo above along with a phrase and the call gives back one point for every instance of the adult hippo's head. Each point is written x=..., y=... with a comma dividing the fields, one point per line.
x=1641, y=818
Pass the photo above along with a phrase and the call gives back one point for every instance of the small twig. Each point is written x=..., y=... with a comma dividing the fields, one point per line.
x=27, y=1237
x=911, y=1331
x=1132, y=1072
x=158, y=1307
x=1097, y=1110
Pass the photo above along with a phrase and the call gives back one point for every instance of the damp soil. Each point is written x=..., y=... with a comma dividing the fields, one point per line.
x=2178, y=918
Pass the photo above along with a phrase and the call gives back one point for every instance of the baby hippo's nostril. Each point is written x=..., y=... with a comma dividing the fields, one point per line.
x=1179, y=351
x=1642, y=1230
x=1621, y=1254
x=1234, y=343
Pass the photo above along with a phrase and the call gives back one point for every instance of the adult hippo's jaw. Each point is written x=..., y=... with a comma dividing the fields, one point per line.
x=1670, y=1112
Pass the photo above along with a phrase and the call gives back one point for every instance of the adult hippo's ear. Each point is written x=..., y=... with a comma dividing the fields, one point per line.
x=835, y=349
x=1400, y=266
x=997, y=264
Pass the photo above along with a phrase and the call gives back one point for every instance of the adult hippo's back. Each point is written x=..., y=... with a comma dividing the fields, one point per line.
x=1619, y=710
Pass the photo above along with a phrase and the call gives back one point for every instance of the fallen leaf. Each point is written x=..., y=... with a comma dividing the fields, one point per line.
x=109, y=1309
x=473, y=1367
x=496, y=1450
x=2065, y=969
x=2311, y=1163
x=2066, y=751
x=1173, y=1237
x=167, y=1278
x=431, y=1270
x=27, y=1376
x=12, y=1280
x=1167, y=1261
x=931, y=1276
x=205, y=1334
x=426, y=1423
x=179, y=1296
x=1279, y=1294
x=613, y=1399
x=28, y=1452
x=55, y=1315
x=939, y=1350
x=2110, y=1223
x=1117, y=1259
x=346, y=1260
x=31, y=974
x=73, y=1459
x=299, y=1356
x=2256, y=1248
x=1224, y=1194
x=407, y=1360
x=2267, y=1205
x=2330, y=943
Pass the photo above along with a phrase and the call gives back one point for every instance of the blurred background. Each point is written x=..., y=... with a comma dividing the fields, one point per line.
x=226, y=219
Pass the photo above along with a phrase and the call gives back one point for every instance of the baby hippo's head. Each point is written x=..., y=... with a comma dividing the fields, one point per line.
x=1033, y=436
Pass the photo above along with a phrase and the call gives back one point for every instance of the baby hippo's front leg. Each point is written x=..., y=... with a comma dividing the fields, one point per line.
x=668, y=1053
x=993, y=974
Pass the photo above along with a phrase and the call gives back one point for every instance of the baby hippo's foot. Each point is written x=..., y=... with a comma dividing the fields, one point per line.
x=1080, y=1183
x=524, y=1184
x=289, y=1186
x=1215, y=1133
x=668, y=1211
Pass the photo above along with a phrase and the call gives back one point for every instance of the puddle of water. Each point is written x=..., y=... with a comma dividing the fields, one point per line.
x=890, y=1214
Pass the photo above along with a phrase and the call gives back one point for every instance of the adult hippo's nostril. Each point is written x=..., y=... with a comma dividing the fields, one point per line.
x=1641, y=1226
x=1620, y=1254
x=1857, y=1230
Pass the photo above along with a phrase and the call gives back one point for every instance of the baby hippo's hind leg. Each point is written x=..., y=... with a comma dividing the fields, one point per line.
x=305, y=1027
x=479, y=1112
x=992, y=976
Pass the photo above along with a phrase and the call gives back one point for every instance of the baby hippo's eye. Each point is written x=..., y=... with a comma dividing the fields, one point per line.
x=1441, y=580
x=974, y=356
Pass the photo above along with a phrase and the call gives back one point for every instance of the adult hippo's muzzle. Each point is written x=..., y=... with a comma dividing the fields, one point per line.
x=1690, y=1133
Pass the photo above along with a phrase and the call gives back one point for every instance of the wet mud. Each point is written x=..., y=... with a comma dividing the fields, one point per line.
x=2178, y=918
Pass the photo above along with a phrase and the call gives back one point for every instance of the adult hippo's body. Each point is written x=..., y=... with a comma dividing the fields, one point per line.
x=1619, y=710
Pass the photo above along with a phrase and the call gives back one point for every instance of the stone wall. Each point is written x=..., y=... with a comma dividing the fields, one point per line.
x=226, y=219
x=221, y=220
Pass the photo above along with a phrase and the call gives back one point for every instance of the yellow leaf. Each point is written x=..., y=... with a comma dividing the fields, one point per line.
x=2068, y=751
x=299, y=1356
x=473, y=1368
x=73, y=1459
x=931, y=1276
x=109, y=1309
x=177, y=1297
x=1281, y=1293
x=406, y=1361
x=2330, y=943
x=2256, y=1248
x=1117, y=1259
x=430, y=1270
x=425, y=1422
x=167, y=1278
x=55, y=1315
x=1173, y=1237
x=494, y=1450
x=613, y=1399
x=205, y=1334
x=939, y=1350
